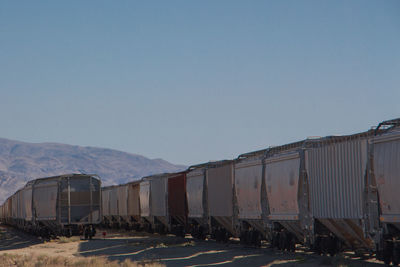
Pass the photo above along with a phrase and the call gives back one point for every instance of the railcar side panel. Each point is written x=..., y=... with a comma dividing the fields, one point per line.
x=220, y=187
x=159, y=196
x=85, y=199
x=105, y=198
x=177, y=195
x=45, y=199
x=134, y=199
x=387, y=175
x=195, y=183
x=336, y=174
x=144, y=194
x=27, y=203
x=122, y=195
x=15, y=206
x=282, y=181
x=248, y=180
x=113, y=197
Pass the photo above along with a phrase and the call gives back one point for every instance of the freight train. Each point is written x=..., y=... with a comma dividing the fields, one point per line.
x=330, y=194
x=54, y=206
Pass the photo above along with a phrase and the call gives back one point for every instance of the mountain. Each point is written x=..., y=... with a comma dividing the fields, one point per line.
x=21, y=162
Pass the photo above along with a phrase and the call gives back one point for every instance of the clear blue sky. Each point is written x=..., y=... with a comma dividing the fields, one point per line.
x=192, y=81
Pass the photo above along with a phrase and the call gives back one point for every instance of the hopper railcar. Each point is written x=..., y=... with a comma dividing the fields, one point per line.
x=154, y=203
x=251, y=198
x=222, y=207
x=385, y=177
x=177, y=203
x=60, y=205
x=163, y=205
x=330, y=193
x=121, y=206
x=196, y=197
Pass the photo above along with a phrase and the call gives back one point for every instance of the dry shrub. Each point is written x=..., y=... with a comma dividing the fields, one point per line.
x=9, y=260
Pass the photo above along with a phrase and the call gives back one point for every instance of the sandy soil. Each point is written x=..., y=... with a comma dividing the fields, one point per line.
x=168, y=250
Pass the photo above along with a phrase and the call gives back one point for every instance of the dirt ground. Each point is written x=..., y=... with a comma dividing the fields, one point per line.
x=166, y=250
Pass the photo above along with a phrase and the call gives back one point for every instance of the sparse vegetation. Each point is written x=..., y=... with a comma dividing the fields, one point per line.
x=8, y=260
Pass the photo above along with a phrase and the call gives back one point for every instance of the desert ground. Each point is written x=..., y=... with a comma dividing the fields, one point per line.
x=140, y=249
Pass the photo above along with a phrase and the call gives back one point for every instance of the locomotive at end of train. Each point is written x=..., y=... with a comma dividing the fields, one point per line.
x=63, y=205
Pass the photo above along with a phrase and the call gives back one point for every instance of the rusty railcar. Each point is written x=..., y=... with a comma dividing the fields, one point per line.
x=177, y=203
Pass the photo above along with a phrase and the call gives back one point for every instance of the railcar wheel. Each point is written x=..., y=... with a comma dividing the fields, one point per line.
x=275, y=240
x=317, y=246
x=292, y=243
x=387, y=253
x=241, y=237
x=282, y=241
x=217, y=235
x=255, y=238
x=202, y=233
x=86, y=233
x=225, y=236
x=396, y=254
x=332, y=247
x=68, y=232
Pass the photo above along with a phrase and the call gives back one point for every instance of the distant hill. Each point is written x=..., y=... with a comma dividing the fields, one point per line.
x=21, y=162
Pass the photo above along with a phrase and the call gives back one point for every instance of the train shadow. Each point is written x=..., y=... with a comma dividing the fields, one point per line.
x=174, y=251
x=11, y=238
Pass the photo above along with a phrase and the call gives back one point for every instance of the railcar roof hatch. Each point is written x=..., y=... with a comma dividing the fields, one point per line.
x=387, y=125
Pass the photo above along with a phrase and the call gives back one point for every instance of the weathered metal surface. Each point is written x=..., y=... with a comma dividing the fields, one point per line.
x=282, y=181
x=219, y=190
x=9, y=208
x=158, y=195
x=177, y=195
x=133, y=199
x=387, y=174
x=248, y=182
x=26, y=203
x=15, y=206
x=79, y=199
x=45, y=199
x=113, y=198
x=336, y=175
x=95, y=187
x=350, y=231
x=144, y=194
x=105, y=198
x=195, y=186
x=122, y=200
